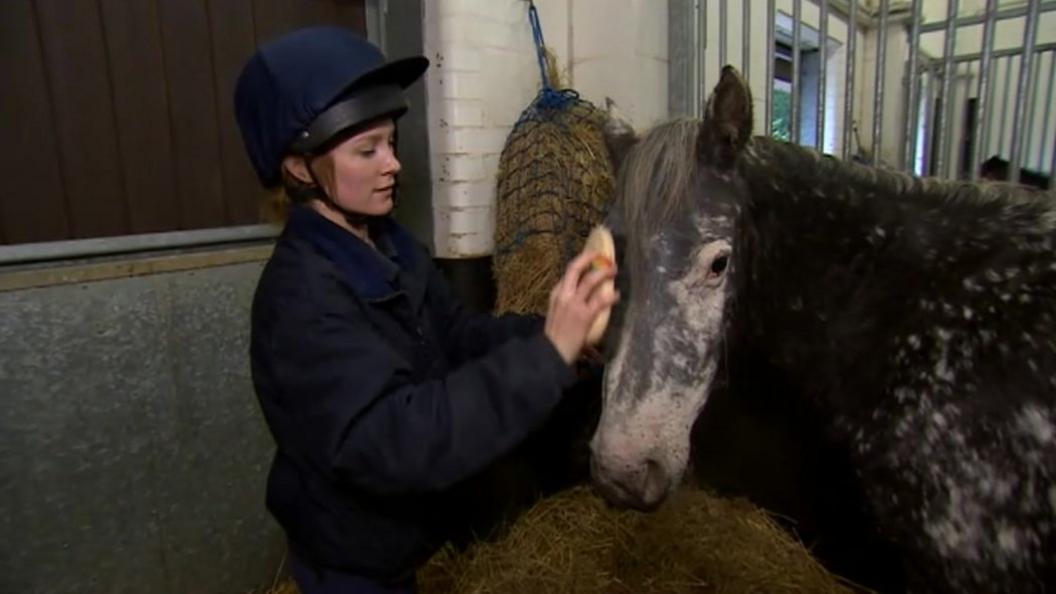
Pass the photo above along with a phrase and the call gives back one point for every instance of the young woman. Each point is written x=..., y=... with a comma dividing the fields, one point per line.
x=381, y=390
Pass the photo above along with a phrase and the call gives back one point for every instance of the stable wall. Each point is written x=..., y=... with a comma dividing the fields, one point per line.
x=485, y=72
x=133, y=455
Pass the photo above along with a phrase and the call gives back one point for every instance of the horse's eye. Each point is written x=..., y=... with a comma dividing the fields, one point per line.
x=718, y=265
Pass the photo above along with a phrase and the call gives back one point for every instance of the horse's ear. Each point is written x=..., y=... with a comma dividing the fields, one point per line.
x=619, y=134
x=727, y=124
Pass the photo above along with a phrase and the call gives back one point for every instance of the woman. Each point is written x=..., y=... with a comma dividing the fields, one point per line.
x=381, y=391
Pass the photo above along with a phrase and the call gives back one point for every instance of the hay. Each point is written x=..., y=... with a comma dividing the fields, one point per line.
x=555, y=182
x=286, y=587
x=573, y=543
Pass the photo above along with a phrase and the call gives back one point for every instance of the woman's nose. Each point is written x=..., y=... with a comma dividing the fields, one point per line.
x=392, y=165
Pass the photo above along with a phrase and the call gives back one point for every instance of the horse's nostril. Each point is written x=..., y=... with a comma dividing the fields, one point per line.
x=655, y=481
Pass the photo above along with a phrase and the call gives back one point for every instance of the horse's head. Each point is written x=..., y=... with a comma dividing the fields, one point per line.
x=675, y=212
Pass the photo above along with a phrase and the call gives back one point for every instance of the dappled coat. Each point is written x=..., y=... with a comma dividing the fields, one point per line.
x=382, y=392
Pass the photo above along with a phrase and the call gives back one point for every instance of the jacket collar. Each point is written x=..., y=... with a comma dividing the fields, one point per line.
x=374, y=274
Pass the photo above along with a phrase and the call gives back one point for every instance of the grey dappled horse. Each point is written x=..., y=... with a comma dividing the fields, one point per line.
x=915, y=316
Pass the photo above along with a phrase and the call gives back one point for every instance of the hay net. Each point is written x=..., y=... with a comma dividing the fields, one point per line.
x=555, y=182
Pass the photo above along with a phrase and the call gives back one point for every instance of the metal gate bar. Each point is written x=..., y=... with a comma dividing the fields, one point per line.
x=722, y=34
x=944, y=110
x=878, y=96
x=1024, y=91
x=913, y=94
x=823, y=44
x=1008, y=13
x=1045, y=121
x=982, y=105
x=1003, y=53
x=746, y=34
x=1004, y=103
x=848, y=100
x=770, y=11
x=797, y=13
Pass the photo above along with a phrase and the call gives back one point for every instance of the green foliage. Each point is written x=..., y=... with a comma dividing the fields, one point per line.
x=781, y=116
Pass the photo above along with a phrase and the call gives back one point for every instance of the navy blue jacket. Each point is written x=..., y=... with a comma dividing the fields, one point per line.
x=382, y=393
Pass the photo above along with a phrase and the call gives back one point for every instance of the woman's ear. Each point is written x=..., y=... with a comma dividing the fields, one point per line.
x=297, y=166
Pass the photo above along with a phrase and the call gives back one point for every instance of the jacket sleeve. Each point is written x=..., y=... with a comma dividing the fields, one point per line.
x=471, y=334
x=356, y=413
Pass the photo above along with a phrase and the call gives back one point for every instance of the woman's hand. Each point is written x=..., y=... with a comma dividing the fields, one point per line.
x=575, y=302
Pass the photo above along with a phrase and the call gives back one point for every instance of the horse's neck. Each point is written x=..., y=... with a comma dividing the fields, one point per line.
x=833, y=265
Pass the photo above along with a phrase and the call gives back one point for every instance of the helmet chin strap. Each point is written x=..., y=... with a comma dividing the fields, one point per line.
x=354, y=219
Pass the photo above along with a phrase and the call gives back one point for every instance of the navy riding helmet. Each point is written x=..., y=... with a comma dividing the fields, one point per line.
x=300, y=90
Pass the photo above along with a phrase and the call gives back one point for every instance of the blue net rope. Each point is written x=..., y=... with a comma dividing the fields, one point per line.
x=554, y=185
x=548, y=97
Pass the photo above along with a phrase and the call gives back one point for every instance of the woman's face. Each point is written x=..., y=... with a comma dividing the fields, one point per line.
x=359, y=174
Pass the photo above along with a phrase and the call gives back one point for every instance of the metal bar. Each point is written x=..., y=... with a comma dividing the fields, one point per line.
x=700, y=38
x=991, y=101
x=722, y=34
x=1025, y=91
x=863, y=18
x=1045, y=124
x=746, y=35
x=1008, y=13
x=703, y=54
x=929, y=126
x=681, y=50
x=878, y=95
x=909, y=151
x=1001, y=53
x=126, y=244
x=943, y=114
x=1052, y=168
x=848, y=78
x=981, y=111
x=770, y=54
x=797, y=14
x=1028, y=125
x=1004, y=105
x=823, y=45
x=376, y=13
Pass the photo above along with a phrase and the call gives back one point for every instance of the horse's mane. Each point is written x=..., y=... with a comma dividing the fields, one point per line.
x=789, y=158
x=655, y=181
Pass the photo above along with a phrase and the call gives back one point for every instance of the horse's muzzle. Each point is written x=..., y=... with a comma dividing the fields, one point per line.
x=642, y=487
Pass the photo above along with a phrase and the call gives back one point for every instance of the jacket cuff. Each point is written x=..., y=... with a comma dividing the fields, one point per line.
x=552, y=360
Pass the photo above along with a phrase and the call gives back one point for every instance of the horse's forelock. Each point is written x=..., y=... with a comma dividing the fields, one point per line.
x=655, y=179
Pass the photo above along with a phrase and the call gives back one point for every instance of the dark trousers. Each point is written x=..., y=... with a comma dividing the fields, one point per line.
x=317, y=580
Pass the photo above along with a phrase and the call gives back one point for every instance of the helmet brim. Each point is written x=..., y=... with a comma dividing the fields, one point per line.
x=403, y=72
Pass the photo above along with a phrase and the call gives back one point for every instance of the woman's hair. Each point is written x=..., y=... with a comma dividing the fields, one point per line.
x=294, y=191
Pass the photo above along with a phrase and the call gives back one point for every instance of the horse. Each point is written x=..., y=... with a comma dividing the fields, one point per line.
x=912, y=317
x=996, y=168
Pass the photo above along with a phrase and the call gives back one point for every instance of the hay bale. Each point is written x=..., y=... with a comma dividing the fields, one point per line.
x=575, y=544
x=565, y=543
x=555, y=182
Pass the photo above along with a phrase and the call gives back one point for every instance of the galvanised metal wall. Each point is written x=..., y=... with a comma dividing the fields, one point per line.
x=956, y=112
x=133, y=455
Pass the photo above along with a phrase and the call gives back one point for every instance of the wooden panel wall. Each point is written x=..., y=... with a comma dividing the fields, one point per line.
x=121, y=120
